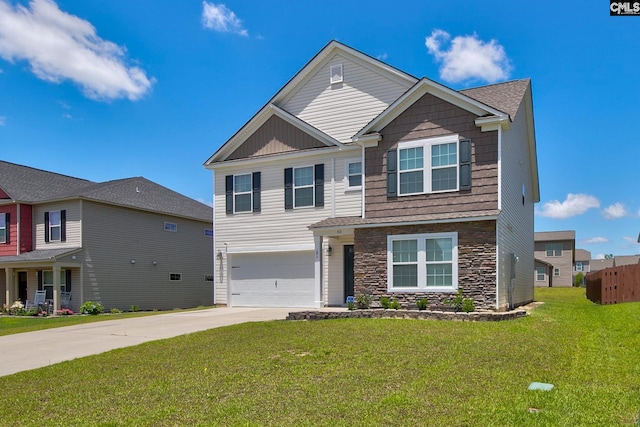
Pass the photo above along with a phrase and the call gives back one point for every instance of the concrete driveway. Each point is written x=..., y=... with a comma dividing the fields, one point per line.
x=30, y=350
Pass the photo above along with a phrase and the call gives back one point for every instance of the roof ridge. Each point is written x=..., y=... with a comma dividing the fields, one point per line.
x=44, y=171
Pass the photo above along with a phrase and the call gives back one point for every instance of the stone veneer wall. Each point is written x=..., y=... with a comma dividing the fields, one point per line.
x=476, y=263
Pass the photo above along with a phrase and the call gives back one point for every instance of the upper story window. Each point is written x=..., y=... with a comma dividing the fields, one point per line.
x=578, y=266
x=553, y=249
x=170, y=226
x=304, y=186
x=430, y=165
x=422, y=262
x=335, y=74
x=243, y=192
x=353, y=174
x=55, y=226
x=4, y=227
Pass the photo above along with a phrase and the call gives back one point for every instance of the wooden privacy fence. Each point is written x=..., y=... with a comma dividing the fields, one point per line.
x=614, y=285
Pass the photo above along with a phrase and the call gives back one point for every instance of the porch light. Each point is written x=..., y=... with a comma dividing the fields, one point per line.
x=133, y=261
x=329, y=250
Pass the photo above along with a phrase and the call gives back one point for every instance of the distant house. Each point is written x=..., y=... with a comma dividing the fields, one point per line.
x=582, y=262
x=600, y=264
x=121, y=243
x=358, y=178
x=554, y=258
x=621, y=260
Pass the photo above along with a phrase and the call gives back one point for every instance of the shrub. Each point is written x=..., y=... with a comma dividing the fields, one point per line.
x=395, y=305
x=134, y=308
x=457, y=301
x=115, y=310
x=468, y=306
x=351, y=305
x=65, y=312
x=385, y=302
x=90, y=307
x=363, y=301
x=422, y=303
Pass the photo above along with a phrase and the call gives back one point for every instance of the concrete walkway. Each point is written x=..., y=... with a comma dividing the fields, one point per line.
x=30, y=350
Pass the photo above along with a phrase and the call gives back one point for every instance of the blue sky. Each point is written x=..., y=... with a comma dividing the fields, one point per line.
x=107, y=90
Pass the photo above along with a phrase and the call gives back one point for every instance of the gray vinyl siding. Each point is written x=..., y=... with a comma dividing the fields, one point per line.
x=114, y=236
x=515, y=222
x=73, y=224
x=341, y=110
x=274, y=227
x=564, y=262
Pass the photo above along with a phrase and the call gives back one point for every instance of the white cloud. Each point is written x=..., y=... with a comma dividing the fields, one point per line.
x=3, y=120
x=468, y=57
x=599, y=256
x=617, y=210
x=60, y=46
x=594, y=240
x=220, y=18
x=575, y=204
x=382, y=57
x=630, y=239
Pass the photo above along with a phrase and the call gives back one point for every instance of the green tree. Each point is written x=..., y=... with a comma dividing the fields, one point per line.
x=608, y=256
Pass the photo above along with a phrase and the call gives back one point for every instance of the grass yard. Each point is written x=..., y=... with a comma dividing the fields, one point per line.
x=356, y=372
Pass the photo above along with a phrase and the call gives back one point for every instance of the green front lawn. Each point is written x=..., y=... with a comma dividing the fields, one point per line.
x=356, y=372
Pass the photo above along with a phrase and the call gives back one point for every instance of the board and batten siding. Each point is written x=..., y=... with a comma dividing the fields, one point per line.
x=73, y=224
x=342, y=109
x=274, y=228
x=515, y=226
x=120, y=248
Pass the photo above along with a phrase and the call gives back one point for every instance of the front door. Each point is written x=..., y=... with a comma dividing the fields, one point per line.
x=348, y=270
x=22, y=286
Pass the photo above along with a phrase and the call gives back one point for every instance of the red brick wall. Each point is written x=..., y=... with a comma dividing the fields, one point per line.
x=476, y=262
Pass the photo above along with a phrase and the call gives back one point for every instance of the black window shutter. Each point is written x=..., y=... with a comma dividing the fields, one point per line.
x=7, y=221
x=40, y=280
x=319, y=184
x=67, y=287
x=288, y=188
x=46, y=226
x=392, y=173
x=465, y=164
x=63, y=225
x=228, y=184
x=256, y=191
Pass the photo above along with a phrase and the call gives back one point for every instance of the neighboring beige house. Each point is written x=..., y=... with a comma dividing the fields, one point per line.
x=600, y=264
x=621, y=260
x=121, y=243
x=582, y=263
x=357, y=177
x=554, y=258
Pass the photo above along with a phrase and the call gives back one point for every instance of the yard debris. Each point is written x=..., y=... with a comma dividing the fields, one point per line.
x=540, y=386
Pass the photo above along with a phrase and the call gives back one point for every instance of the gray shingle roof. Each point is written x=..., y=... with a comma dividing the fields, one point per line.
x=28, y=185
x=626, y=260
x=39, y=255
x=582, y=255
x=505, y=96
x=548, y=236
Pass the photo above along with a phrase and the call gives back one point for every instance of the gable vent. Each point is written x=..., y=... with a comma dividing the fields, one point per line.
x=336, y=74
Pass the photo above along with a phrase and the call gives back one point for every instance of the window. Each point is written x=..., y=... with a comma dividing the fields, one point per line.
x=304, y=186
x=208, y=277
x=578, y=266
x=353, y=174
x=175, y=277
x=47, y=282
x=243, y=192
x=540, y=274
x=422, y=262
x=556, y=271
x=4, y=228
x=335, y=74
x=170, y=226
x=55, y=226
x=428, y=165
x=208, y=232
x=553, y=249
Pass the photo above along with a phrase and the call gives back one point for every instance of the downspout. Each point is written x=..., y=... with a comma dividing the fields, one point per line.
x=363, y=181
x=333, y=187
x=498, y=246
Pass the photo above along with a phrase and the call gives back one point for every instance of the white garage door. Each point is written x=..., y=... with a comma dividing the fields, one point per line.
x=284, y=279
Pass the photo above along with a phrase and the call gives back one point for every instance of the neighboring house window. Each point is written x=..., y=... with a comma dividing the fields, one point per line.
x=208, y=232
x=243, y=193
x=4, y=227
x=429, y=166
x=170, y=226
x=556, y=271
x=208, y=277
x=175, y=277
x=578, y=266
x=553, y=249
x=304, y=186
x=422, y=262
x=353, y=174
x=336, y=75
x=47, y=282
x=540, y=274
x=55, y=226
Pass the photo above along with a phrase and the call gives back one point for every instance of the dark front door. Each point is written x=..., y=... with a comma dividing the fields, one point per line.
x=348, y=270
x=22, y=286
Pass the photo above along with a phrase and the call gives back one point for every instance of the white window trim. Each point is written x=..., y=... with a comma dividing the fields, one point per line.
x=58, y=226
x=312, y=186
x=63, y=280
x=171, y=227
x=422, y=262
x=556, y=272
x=555, y=246
x=579, y=266
x=250, y=193
x=3, y=227
x=339, y=79
x=426, y=145
x=544, y=274
x=348, y=187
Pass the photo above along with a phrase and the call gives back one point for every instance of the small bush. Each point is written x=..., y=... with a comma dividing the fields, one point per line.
x=468, y=306
x=90, y=307
x=134, y=308
x=395, y=305
x=115, y=310
x=422, y=304
x=351, y=305
x=385, y=302
x=363, y=301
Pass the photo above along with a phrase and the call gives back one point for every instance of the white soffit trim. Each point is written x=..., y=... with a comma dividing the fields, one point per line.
x=259, y=249
x=283, y=157
x=421, y=88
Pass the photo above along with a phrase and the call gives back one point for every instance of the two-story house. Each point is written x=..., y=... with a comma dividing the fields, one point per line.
x=121, y=243
x=358, y=178
x=554, y=258
x=582, y=263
